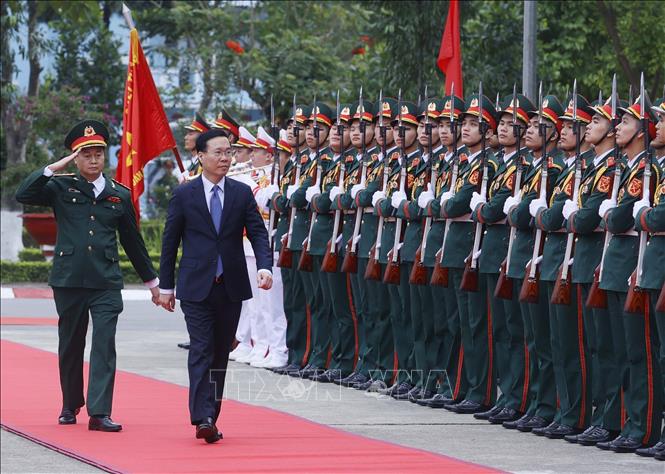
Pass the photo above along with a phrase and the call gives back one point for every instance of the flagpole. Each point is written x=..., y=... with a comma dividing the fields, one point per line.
x=127, y=13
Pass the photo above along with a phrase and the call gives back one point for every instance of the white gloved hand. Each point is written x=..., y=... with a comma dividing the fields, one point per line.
x=510, y=202
x=425, y=197
x=311, y=192
x=445, y=196
x=539, y=259
x=605, y=206
x=397, y=199
x=536, y=205
x=290, y=190
x=356, y=240
x=271, y=189
x=477, y=254
x=262, y=198
x=356, y=189
x=568, y=208
x=377, y=196
x=475, y=200
x=335, y=191
x=644, y=202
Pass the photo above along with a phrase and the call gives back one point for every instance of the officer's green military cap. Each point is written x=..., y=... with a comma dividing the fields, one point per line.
x=457, y=105
x=606, y=108
x=489, y=112
x=87, y=133
x=552, y=110
x=302, y=113
x=367, y=112
x=659, y=105
x=388, y=109
x=322, y=113
x=635, y=111
x=521, y=105
x=432, y=106
x=584, y=109
x=226, y=122
x=345, y=113
x=408, y=113
x=198, y=124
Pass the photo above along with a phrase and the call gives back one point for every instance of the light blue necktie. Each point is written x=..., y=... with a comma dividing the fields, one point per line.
x=216, y=213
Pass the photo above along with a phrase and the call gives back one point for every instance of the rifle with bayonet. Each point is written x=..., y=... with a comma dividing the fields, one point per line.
x=285, y=259
x=329, y=263
x=275, y=174
x=418, y=274
x=597, y=297
x=504, y=285
x=529, y=290
x=305, y=264
x=440, y=273
x=563, y=284
x=638, y=298
x=392, y=273
x=373, y=270
x=350, y=263
x=470, y=276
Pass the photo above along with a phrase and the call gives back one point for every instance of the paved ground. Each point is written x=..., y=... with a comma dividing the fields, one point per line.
x=147, y=338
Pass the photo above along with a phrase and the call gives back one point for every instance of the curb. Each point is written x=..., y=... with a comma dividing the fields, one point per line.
x=7, y=293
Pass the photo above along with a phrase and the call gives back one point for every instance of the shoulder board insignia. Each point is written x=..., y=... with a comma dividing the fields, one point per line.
x=642, y=164
x=120, y=184
x=569, y=188
x=326, y=157
x=410, y=180
x=304, y=159
x=610, y=161
x=114, y=199
x=473, y=179
x=375, y=157
x=463, y=157
x=394, y=156
x=415, y=162
x=348, y=159
x=510, y=184
x=604, y=184
x=635, y=187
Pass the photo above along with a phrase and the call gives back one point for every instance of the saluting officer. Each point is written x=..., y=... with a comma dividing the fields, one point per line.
x=90, y=211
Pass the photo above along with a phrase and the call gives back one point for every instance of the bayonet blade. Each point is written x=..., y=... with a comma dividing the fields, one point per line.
x=360, y=103
x=480, y=102
x=600, y=97
x=426, y=106
x=496, y=104
x=452, y=102
x=381, y=108
x=540, y=103
x=642, y=97
x=316, y=122
x=338, y=108
x=294, y=111
x=574, y=99
x=514, y=104
x=399, y=107
x=614, y=96
x=630, y=94
x=272, y=113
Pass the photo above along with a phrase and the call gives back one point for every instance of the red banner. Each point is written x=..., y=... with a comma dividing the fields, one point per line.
x=145, y=128
x=450, y=53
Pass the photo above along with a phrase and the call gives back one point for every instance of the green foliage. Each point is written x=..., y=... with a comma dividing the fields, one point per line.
x=31, y=255
x=38, y=272
x=151, y=230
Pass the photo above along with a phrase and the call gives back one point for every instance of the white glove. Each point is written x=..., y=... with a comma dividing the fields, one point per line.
x=536, y=205
x=356, y=240
x=539, y=259
x=377, y=196
x=510, y=202
x=311, y=192
x=445, y=196
x=605, y=206
x=477, y=254
x=336, y=191
x=425, y=197
x=262, y=198
x=397, y=199
x=644, y=202
x=568, y=208
x=475, y=200
x=290, y=190
x=356, y=189
x=271, y=189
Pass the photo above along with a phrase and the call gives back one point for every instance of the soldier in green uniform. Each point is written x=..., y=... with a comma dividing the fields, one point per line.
x=475, y=319
x=227, y=123
x=606, y=355
x=295, y=304
x=542, y=406
x=507, y=324
x=447, y=351
x=334, y=289
x=570, y=358
x=642, y=382
x=297, y=193
x=194, y=129
x=652, y=219
x=91, y=211
x=386, y=206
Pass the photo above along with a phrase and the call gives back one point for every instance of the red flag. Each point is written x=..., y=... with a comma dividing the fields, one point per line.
x=145, y=129
x=450, y=53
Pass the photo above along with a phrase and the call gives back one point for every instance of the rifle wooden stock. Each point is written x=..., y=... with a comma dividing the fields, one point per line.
x=373, y=270
x=350, y=262
x=660, y=304
x=418, y=275
x=637, y=298
x=329, y=264
x=440, y=273
x=562, y=286
x=469, y=277
x=305, y=262
x=392, y=274
x=504, y=285
x=285, y=259
x=597, y=297
x=529, y=291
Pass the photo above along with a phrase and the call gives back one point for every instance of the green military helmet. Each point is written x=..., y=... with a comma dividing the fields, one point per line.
x=457, y=104
x=87, y=133
x=408, y=112
x=658, y=106
x=635, y=111
x=552, y=110
x=367, y=111
x=322, y=113
x=489, y=111
x=388, y=109
x=345, y=113
x=584, y=110
x=522, y=107
x=302, y=113
x=432, y=106
x=198, y=124
x=605, y=109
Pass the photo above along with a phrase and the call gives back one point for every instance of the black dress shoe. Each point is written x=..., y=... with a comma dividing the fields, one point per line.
x=572, y=438
x=208, y=431
x=363, y=386
x=598, y=435
x=652, y=451
x=561, y=431
x=607, y=445
x=534, y=422
x=506, y=414
x=68, y=416
x=625, y=445
x=546, y=429
x=184, y=345
x=401, y=395
x=291, y=369
x=214, y=437
x=310, y=371
x=660, y=456
x=512, y=425
x=327, y=376
x=103, y=423
x=401, y=392
x=421, y=395
x=468, y=407
x=353, y=380
x=439, y=400
x=485, y=415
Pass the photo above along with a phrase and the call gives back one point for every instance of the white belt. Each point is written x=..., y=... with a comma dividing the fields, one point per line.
x=631, y=232
x=658, y=233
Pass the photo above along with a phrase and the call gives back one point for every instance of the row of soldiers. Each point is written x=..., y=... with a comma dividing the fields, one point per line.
x=448, y=251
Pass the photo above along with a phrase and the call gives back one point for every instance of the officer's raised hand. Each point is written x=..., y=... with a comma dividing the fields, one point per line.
x=62, y=163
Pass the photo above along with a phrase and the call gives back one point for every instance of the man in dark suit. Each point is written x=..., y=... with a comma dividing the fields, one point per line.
x=209, y=216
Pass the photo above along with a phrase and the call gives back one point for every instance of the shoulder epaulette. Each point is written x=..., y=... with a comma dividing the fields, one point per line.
x=120, y=184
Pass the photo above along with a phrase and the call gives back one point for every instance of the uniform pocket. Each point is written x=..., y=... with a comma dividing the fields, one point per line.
x=114, y=207
x=74, y=198
x=64, y=250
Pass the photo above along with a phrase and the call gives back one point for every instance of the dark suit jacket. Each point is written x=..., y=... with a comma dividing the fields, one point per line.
x=189, y=221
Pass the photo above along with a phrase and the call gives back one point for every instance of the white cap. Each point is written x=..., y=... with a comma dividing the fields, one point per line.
x=246, y=139
x=263, y=140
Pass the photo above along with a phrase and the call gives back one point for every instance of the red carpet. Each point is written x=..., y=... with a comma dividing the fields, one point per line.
x=28, y=292
x=27, y=321
x=157, y=436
